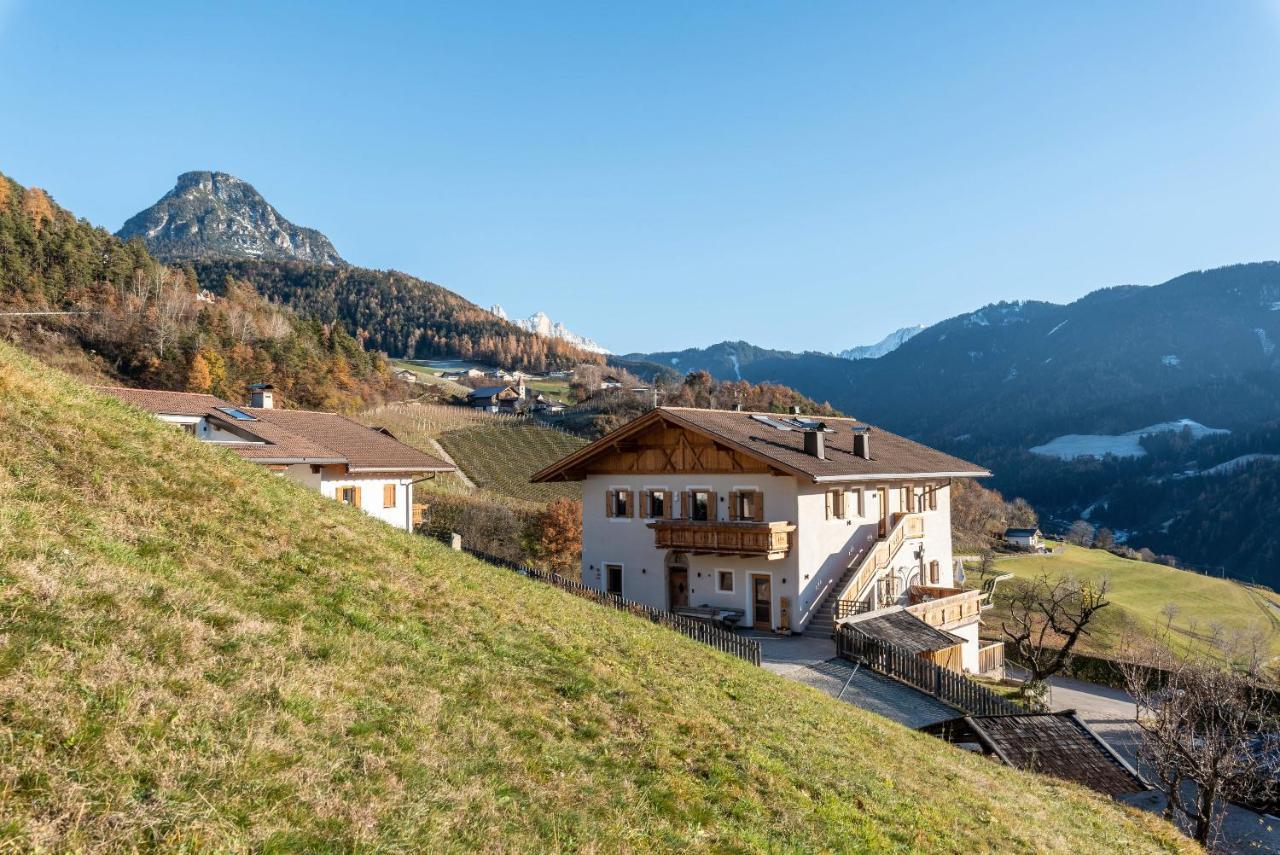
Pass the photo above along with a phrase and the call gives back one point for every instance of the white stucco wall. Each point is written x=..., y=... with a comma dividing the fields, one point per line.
x=401, y=516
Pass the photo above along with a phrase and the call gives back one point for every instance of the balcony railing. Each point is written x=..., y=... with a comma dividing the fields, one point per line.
x=944, y=607
x=743, y=539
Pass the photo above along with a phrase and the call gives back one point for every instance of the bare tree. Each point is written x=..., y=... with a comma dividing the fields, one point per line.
x=1206, y=736
x=1080, y=533
x=1046, y=617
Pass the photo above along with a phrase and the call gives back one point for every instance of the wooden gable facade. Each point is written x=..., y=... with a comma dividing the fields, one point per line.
x=654, y=445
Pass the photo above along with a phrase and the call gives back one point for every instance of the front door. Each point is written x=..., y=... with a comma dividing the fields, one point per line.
x=884, y=511
x=677, y=588
x=761, y=602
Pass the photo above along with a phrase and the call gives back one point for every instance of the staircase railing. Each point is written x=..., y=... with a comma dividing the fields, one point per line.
x=878, y=558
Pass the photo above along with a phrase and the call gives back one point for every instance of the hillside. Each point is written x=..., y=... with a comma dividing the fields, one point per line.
x=1141, y=593
x=396, y=313
x=216, y=215
x=123, y=317
x=280, y=672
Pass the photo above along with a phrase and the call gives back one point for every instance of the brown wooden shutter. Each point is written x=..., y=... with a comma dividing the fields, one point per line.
x=643, y=509
x=388, y=495
x=356, y=497
x=860, y=496
x=733, y=504
x=686, y=504
x=713, y=510
x=608, y=503
x=631, y=503
x=668, y=499
x=830, y=503
x=757, y=506
x=933, y=497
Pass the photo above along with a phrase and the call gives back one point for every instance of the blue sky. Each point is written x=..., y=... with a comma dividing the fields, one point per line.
x=801, y=175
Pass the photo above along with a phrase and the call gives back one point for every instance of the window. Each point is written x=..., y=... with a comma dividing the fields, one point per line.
x=189, y=428
x=349, y=496
x=389, y=495
x=836, y=505
x=746, y=505
x=909, y=499
x=237, y=414
x=933, y=497
x=859, y=503
x=613, y=579
x=933, y=572
x=701, y=505
x=618, y=503
x=656, y=504
x=724, y=581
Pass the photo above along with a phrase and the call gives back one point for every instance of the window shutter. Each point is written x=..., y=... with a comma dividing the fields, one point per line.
x=829, y=503
x=608, y=503
x=686, y=505
x=356, y=497
x=388, y=495
x=733, y=505
x=644, y=509
x=713, y=510
x=757, y=506
x=862, y=508
x=667, y=498
x=631, y=503
x=933, y=497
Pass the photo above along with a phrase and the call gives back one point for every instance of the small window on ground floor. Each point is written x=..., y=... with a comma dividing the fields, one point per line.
x=613, y=578
x=389, y=495
x=724, y=581
x=349, y=496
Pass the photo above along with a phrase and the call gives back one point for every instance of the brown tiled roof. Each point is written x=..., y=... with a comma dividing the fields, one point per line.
x=903, y=629
x=291, y=436
x=891, y=455
x=1057, y=744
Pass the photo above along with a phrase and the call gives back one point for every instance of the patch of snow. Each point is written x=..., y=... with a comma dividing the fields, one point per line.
x=888, y=344
x=675, y=360
x=1275, y=307
x=1087, y=512
x=1055, y=329
x=975, y=354
x=1237, y=463
x=1073, y=445
x=737, y=369
x=1013, y=372
x=1268, y=346
x=539, y=324
x=962, y=437
x=1171, y=360
x=977, y=319
x=1047, y=361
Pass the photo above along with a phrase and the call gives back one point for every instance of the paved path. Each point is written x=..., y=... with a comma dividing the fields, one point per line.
x=812, y=660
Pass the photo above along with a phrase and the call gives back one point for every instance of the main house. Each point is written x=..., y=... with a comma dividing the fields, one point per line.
x=796, y=521
x=342, y=459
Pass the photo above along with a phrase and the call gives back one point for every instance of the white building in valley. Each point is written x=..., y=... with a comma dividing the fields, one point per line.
x=365, y=467
x=797, y=522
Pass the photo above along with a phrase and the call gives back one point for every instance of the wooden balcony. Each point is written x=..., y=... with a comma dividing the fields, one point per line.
x=742, y=539
x=944, y=607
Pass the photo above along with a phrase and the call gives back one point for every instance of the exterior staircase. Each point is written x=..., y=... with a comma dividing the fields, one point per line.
x=861, y=573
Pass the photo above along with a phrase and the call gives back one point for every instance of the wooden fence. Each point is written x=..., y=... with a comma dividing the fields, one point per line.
x=902, y=665
x=724, y=640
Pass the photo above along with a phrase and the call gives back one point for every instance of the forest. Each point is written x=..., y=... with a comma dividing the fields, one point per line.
x=131, y=320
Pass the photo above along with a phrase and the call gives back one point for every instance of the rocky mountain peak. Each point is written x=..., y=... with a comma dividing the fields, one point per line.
x=212, y=215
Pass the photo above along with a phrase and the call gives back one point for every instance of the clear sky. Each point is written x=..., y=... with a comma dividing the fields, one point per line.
x=802, y=175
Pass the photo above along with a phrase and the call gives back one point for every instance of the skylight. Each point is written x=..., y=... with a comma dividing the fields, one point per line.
x=237, y=414
x=792, y=423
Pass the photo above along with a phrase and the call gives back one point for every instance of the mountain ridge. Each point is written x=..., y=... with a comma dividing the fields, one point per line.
x=217, y=215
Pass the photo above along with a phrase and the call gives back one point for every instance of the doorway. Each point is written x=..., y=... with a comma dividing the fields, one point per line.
x=761, y=602
x=884, y=510
x=677, y=581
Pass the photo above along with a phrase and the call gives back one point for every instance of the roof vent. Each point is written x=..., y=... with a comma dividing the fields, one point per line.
x=862, y=443
x=815, y=444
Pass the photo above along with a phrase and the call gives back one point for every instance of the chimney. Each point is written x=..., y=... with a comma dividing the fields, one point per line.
x=862, y=443
x=795, y=409
x=815, y=444
x=260, y=396
x=737, y=408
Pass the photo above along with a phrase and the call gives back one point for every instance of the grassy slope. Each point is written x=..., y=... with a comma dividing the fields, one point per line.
x=1141, y=590
x=199, y=654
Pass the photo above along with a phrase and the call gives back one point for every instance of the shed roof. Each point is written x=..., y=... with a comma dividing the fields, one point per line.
x=1021, y=532
x=1058, y=744
x=902, y=629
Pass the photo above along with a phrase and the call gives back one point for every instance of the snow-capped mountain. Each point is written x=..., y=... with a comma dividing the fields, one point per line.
x=888, y=344
x=542, y=325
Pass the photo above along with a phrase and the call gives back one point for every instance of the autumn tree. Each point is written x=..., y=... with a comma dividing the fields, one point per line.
x=198, y=377
x=555, y=536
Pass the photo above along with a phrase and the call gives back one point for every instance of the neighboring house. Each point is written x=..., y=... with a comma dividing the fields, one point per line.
x=1029, y=539
x=406, y=375
x=342, y=459
x=543, y=404
x=800, y=522
x=610, y=382
x=496, y=398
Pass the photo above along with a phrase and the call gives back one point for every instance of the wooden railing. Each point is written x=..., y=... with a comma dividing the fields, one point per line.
x=991, y=658
x=942, y=683
x=877, y=559
x=943, y=607
x=419, y=515
x=915, y=526
x=769, y=539
x=849, y=608
x=726, y=641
